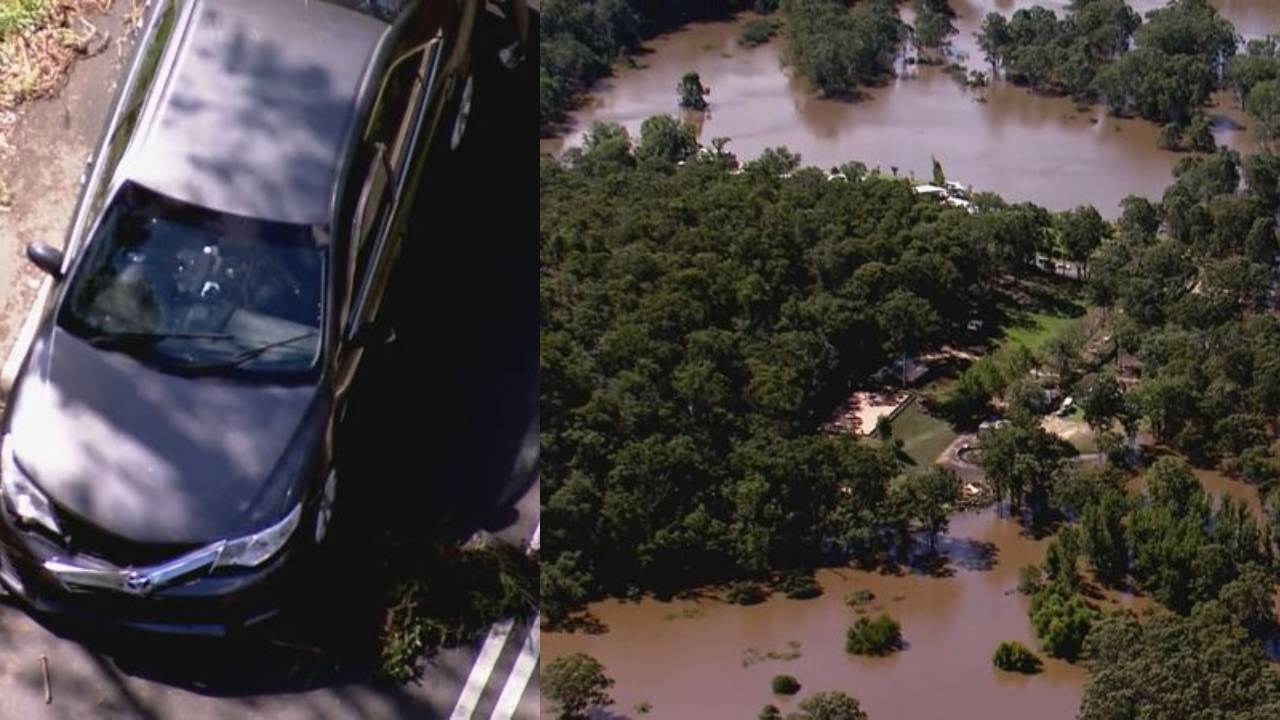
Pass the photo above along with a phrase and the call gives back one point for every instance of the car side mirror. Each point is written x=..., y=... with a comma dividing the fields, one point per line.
x=46, y=257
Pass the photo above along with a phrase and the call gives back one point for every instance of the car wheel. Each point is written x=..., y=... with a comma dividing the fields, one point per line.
x=324, y=513
x=464, y=112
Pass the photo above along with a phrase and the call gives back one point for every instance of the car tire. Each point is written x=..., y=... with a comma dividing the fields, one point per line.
x=462, y=116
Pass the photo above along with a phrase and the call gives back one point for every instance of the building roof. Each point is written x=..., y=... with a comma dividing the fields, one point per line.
x=927, y=189
x=254, y=115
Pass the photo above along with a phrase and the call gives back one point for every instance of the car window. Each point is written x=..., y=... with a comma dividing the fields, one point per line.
x=372, y=211
x=184, y=287
x=391, y=118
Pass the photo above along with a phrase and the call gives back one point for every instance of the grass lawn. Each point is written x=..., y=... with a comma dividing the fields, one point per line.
x=1036, y=329
x=923, y=436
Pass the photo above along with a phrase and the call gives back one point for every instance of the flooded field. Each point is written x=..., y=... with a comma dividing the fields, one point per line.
x=686, y=657
x=694, y=658
x=1001, y=138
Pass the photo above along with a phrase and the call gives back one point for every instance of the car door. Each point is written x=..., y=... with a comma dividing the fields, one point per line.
x=373, y=236
x=414, y=72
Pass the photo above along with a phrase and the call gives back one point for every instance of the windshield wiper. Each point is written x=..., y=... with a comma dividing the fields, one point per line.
x=252, y=353
x=150, y=338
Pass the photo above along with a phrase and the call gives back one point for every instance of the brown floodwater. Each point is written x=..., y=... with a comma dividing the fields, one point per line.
x=686, y=657
x=1001, y=138
x=690, y=658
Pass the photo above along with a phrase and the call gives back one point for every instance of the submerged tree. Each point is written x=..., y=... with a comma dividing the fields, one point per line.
x=692, y=92
x=577, y=684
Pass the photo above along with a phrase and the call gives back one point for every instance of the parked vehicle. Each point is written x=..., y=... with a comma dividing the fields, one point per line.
x=168, y=459
x=1068, y=406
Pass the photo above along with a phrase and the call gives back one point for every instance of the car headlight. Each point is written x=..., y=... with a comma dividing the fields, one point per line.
x=254, y=550
x=21, y=495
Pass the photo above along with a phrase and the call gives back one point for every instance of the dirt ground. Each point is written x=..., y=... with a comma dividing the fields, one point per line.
x=1075, y=432
x=56, y=137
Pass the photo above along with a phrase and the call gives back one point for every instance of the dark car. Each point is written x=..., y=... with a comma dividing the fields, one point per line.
x=168, y=455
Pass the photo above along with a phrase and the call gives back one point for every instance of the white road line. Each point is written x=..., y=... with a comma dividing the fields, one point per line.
x=518, y=680
x=481, y=671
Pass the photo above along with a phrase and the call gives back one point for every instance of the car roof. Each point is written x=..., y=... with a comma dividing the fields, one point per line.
x=254, y=114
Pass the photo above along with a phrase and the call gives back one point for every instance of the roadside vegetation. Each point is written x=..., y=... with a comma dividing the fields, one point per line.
x=39, y=40
x=445, y=596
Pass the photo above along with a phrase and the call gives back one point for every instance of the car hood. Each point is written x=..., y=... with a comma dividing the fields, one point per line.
x=155, y=457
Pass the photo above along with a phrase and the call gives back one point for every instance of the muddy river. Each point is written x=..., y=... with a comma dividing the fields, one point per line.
x=1000, y=138
x=699, y=658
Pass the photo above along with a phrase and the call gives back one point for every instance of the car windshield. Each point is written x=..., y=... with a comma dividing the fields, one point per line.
x=183, y=287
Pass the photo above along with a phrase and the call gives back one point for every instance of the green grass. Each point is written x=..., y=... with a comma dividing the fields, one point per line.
x=17, y=15
x=923, y=436
x=1036, y=329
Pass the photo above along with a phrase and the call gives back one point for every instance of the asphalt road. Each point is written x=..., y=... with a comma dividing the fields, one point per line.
x=443, y=431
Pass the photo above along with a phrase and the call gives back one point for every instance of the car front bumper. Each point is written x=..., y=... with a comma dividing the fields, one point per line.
x=203, y=604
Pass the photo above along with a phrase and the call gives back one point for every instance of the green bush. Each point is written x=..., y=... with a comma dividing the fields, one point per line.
x=759, y=32
x=1013, y=656
x=858, y=598
x=799, y=587
x=746, y=593
x=879, y=636
x=421, y=616
x=1061, y=619
x=1030, y=579
x=785, y=685
x=770, y=712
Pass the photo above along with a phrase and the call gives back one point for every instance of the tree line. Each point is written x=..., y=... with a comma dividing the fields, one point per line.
x=1164, y=69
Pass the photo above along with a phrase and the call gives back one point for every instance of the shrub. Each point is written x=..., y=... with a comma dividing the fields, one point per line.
x=799, y=587
x=829, y=706
x=759, y=32
x=859, y=597
x=1013, y=656
x=746, y=593
x=577, y=684
x=1170, y=137
x=1030, y=579
x=1062, y=620
x=770, y=712
x=879, y=636
x=785, y=685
